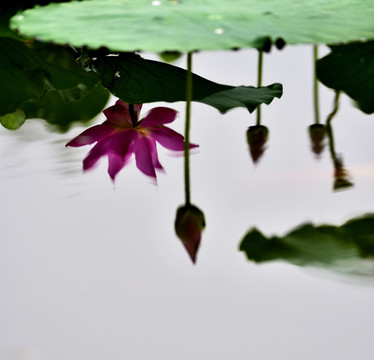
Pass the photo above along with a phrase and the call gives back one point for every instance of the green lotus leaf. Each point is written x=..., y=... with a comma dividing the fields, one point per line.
x=55, y=110
x=186, y=25
x=350, y=68
x=348, y=248
x=44, y=81
x=137, y=81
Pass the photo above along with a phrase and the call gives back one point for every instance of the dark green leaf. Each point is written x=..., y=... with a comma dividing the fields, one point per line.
x=350, y=68
x=57, y=111
x=45, y=81
x=243, y=96
x=136, y=80
x=21, y=75
x=324, y=246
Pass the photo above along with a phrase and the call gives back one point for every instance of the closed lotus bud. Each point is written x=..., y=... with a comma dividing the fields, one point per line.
x=317, y=133
x=189, y=224
x=257, y=137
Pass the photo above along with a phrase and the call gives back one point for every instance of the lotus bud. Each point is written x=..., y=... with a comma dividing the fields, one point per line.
x=257, y=137
x=189, y=224
x=317, y=133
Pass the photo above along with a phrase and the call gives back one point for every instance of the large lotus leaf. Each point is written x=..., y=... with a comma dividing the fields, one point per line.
x=186, y=25
x=137, y=80
x=9, y=8
x=350, y=68
x=334, y=247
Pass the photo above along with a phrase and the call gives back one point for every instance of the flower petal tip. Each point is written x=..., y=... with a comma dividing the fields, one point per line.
x=193, y=257
x=69, y=143
x=153, y=180
x=112, y=177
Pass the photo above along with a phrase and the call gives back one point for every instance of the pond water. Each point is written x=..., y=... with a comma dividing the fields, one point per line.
x=92, y=270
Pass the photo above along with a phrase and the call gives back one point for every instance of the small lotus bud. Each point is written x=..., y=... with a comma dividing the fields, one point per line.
x=257, y=137
x=317, y=133
x=189, y=224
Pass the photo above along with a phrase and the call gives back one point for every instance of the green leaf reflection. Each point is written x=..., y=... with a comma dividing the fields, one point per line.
x=44, y=81
x=350, y=68
x=328, y=246
x=136, y=81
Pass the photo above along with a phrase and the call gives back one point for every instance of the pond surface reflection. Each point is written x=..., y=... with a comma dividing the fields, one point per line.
x=89, y=270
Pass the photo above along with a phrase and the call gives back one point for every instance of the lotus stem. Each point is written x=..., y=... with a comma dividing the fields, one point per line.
x=187, y=130
x=315, y=85
x=329, y=128
x=132, y=115
x=259, y=83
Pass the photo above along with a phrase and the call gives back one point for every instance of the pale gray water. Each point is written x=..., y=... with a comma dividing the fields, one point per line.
x=93, y=271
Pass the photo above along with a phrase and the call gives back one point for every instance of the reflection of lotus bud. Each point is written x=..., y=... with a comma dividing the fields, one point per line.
x=170, y=56
x=256, y=137
x=341, y=176
x=189, y=224
x=317, y=133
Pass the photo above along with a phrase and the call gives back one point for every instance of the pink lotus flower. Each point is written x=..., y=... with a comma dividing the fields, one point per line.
x=122, y=134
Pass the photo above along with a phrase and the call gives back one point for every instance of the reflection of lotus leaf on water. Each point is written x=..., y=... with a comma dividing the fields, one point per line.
x=345, y=248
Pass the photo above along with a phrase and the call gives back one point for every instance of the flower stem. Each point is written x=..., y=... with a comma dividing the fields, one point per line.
x=259, y=83
x=132, y=115
x=187, y=130
x=315, y=85
x=329, y=128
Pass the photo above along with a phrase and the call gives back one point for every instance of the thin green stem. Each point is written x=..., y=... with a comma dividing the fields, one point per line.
x=187, y=130
x=259, y=83
x=315, y=85
x=329, y=127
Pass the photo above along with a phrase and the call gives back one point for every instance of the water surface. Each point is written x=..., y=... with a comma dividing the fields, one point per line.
x=89, y=270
